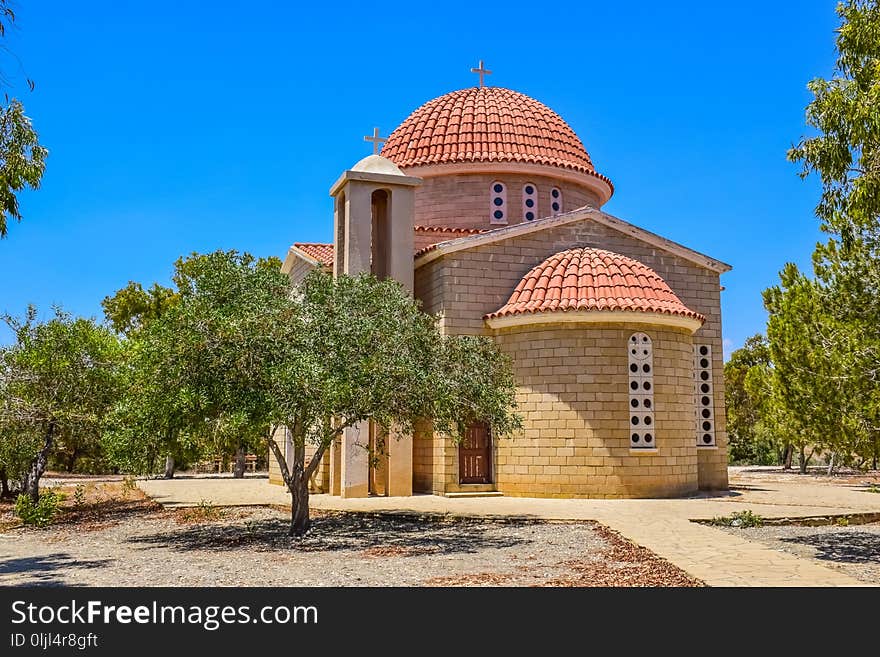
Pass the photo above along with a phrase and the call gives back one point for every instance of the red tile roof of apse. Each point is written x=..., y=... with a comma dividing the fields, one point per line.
x=323, y=253
x=586, y=279
x=487, y=124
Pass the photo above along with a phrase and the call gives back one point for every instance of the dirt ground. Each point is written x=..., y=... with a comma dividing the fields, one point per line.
x=110, y=534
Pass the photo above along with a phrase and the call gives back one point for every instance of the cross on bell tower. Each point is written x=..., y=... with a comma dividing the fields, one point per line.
x=481, y=71
x=376, y=139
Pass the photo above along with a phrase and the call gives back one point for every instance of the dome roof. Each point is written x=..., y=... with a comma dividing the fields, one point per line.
x=587, y=279
x=487, y=124
x=377, y=164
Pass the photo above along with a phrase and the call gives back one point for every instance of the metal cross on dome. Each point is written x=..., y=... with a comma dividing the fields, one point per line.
x=376, y=139
x=481, y=70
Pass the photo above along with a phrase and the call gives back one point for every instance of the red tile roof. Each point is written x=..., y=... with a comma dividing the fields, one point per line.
x=449, y=229
x=585, y=279
x=323, y=253
x=487, y=124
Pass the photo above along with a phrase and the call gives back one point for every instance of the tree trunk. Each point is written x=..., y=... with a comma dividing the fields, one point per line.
x=169, y=467
x=802, y=461
x=238, y=473
x=4, y=484
x=874, y=455
x=786, y=457
x=71, y=462
x=38, y=466
x=299, y=506
x=831, y=465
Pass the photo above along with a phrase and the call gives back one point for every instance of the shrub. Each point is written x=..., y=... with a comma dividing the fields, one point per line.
x=739, y=519
x=40, y=514
x=79, y=495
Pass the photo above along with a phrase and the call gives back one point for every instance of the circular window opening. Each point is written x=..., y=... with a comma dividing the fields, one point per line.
x=498, y=201
x=634, y=437
x=530, y=203
x=648, y=437
x=634, y=403
x=555, y=207
x=707, y=438
x=530, y=216
x=704, y=362
x=646, y=368
x=498, y=214
x=647, y=403
x=647, y=385
x=498, y=188
x=704, y=350
x=634, y=385
x=704, y=376
x=704, y=388
x=634, y=420
x=706, y=413
x=555, y=193
x=633, y=367
x=648, y=420
x=707, y=426
x=530, y=189
x=705, y=400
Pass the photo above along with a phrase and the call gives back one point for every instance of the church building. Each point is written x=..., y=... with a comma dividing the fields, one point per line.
x=485, y=204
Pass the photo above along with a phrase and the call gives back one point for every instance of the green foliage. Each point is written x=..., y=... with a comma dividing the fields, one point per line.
x=130, y=308
x=203, y=511
x=741, y=519
x=22, y=160
x=41, y=513
x=58, y=380
x=79, y=495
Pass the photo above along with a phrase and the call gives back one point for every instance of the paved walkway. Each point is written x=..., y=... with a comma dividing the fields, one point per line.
x=663, y=526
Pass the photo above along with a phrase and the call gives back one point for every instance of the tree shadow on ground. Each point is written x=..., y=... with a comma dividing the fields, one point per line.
x=42, y=570
x=845, y=547
x=340, y=532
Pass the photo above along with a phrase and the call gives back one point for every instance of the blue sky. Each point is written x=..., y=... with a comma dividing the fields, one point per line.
x=187, y=126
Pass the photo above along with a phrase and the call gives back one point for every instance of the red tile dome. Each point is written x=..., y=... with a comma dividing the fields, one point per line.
x=587, y=279
x=487, y=124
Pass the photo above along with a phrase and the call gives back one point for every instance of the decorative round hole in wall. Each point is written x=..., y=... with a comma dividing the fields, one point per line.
x=530, y=203
x=647, y=385
x=704, y=376
x=704, y=362
x=498, y=201
x=555, y=206
x=705, y=400
x=634, y=403
x=498, y=188
x=498, y=214
x=529, y=190
x=634, y=420
x=646, y=368
x=633, y=367
x=704, y=350
x=706, y=413
x=704, y=388
x=648, y=403
x=707, y=426
x=635, y=437
x=633, y=385
x=648, y=419
x=648, y=438
x=555, y=193
x=707, y=438
x=530, y=216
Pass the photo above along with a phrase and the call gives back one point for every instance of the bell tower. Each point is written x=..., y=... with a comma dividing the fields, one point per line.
x=373, y=223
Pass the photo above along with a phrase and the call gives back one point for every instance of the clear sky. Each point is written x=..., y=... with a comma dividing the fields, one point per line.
x=187, y=126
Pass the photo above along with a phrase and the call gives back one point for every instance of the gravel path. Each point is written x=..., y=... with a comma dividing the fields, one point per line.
x=853, y=549
x=133, y=542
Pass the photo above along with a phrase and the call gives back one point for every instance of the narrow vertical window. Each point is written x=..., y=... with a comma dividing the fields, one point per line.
x=498, y=203
x=555, y=201
x=530, y=202
x=641, y=392
x=704, y=397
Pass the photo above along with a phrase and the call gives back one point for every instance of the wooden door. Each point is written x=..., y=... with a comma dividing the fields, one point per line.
x=475, y=455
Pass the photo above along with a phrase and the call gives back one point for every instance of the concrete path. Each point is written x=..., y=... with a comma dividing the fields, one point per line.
x=663, y=526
